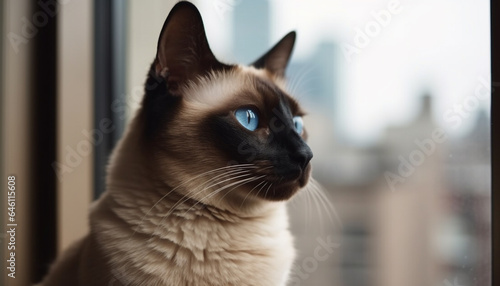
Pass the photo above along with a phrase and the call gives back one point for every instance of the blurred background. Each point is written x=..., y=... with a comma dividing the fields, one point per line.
x=398, y=99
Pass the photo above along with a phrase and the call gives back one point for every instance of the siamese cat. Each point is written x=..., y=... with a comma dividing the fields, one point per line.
x=196, y=189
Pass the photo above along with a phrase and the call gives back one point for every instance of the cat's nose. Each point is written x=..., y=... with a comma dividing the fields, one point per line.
x=302, y=156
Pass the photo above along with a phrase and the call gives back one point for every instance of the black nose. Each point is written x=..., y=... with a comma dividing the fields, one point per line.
x=302, y=156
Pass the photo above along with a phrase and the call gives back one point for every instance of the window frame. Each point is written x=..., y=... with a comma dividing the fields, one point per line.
x=495, y=141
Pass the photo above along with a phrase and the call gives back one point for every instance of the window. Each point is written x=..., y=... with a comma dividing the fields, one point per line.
x=398, y=95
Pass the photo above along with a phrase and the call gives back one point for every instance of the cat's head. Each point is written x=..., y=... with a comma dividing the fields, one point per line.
x=229, y=132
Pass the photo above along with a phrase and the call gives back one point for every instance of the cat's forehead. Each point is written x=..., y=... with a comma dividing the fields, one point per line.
x=240, y=86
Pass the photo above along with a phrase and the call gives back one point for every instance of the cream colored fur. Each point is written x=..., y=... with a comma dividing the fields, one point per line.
x=158, y=223
x=131, y=243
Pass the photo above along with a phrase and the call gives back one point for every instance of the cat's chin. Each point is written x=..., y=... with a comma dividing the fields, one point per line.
x=282, y=190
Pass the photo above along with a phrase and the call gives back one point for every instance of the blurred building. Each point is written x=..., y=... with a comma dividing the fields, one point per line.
x=406, y=213
x=410, y=204
x=413, y=209
x=430, y=226
x=468, y=171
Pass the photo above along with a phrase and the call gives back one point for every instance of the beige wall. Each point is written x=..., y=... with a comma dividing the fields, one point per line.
x=145, y=19
x=74, y=115
x=75, y=101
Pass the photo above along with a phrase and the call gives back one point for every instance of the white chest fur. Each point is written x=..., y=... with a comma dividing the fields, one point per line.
x=200, y=247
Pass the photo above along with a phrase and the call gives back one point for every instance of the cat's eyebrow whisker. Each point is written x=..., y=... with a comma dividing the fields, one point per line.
x=221, y=169
x=296, y=82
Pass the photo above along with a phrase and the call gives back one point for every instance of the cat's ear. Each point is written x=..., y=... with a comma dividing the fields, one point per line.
x=276, y=59
x=183, y=50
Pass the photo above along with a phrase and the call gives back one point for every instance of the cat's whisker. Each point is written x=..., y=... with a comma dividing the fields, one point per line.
x=261, y=169
x=250, y=193
x=238, y=183
x=320, y=192
x=325, y=203
x=261, y=188
x=237, y=177
x=268, y=189
x=221, y=169
x=308, y=207
x=318, y=207
x=220, y=176
x=235, y=189
x=187, y=196
x=305, y=196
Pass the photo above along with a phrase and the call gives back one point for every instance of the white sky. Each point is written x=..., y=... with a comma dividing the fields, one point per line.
x=439, y=45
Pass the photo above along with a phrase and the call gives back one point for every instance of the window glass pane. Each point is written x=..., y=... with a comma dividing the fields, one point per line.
x=398, y=99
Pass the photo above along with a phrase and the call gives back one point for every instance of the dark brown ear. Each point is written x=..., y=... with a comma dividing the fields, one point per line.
x=277, y=58
x=183, y=50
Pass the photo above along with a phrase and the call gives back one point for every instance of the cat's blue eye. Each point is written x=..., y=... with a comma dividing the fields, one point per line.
x=247, y=117
x=299, y=124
